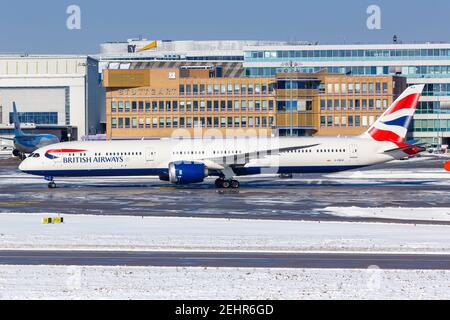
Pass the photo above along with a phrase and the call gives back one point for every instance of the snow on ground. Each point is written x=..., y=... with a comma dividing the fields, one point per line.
x=394, y=174
x=420, y=214
x=56, y=282
x=25, y=231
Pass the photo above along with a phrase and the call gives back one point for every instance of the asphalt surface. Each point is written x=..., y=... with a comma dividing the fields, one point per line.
x=224, y=259
x=300, y=198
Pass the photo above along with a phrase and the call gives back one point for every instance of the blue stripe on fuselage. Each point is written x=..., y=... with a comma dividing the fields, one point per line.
x=240, y=171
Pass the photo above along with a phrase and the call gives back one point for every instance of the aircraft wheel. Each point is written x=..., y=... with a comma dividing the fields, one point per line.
x=16, y=153
x=226, y=184
x=235, y=184
x=52, y=185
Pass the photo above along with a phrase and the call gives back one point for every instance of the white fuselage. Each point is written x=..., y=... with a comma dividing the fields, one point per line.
x=152, y=157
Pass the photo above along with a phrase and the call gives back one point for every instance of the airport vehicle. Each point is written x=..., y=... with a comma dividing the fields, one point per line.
x=185, y=161
x=27, y=143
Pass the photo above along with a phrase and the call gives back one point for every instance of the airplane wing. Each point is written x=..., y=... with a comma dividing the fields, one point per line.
x=5, y=138
x=241, y=159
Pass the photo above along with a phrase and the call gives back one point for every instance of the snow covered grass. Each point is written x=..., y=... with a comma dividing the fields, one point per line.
x=25, y=231
x=55, y=282
x=420, y=214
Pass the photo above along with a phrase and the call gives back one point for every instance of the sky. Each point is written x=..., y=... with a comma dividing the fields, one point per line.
x=40, y=26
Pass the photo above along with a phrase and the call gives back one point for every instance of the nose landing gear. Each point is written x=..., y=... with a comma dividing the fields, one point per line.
x=51, y=182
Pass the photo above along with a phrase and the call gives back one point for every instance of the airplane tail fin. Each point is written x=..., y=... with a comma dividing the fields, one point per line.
x=393, y=124
x=17, y=130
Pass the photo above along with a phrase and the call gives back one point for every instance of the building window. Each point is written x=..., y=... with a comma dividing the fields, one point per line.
x=202, y=89
x=175, y=106
x=36, y=117
x=147, y=123
x=257, y=105
x=216, y=105
x=120, y=123
x=357, y=121
x=223, y=122
x=208, y=105
x=114, y=106
x=250, y=105
x=134, y=106
x=322, y=104
x=127, y=123
x=222, y=105
x=236, y=105
x=250, y=122
x=161, y=122
x=322, y=121
x=230, y=122
x=257, y=123
x=141, y=123
x=113, y=123
x=236, y=89
x=181, y=106
x=120, y=106
x=141, y=106
x=195, y=89
x=237, y=121
x=329, y=121
x=127, y=106
x=155, y=123
x=134, y=123
x=161, y=106
x=350, y=121
x=147, y=106
x=188, y=90
x=181, y=89
x=154, y=106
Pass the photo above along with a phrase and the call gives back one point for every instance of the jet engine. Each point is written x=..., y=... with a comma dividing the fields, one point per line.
x=187, y=172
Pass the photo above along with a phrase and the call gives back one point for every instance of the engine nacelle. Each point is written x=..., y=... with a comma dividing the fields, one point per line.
x=187, y=172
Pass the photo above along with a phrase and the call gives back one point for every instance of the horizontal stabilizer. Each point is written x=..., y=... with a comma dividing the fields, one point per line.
x=416, y=148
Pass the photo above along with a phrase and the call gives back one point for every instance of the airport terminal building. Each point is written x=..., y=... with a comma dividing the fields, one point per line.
x=427, y=63
x=61, y=95
x=192, y=102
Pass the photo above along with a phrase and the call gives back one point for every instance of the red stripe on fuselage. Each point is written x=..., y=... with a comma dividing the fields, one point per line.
x=65, y=151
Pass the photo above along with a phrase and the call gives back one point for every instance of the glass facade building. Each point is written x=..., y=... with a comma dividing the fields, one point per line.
x=420, y=63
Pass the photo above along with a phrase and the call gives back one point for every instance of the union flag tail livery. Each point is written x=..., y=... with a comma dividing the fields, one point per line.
x=393, y=124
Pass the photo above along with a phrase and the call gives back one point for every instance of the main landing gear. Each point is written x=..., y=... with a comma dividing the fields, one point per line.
x=227, y=184
x=16, y=153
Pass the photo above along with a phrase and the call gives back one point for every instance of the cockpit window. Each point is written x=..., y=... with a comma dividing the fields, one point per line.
x=36, y=155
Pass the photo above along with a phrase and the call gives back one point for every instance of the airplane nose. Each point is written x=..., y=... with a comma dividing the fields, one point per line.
x=23, y=165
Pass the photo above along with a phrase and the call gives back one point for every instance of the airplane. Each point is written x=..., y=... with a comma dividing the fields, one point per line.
x=186, y=161
x=27, y=143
